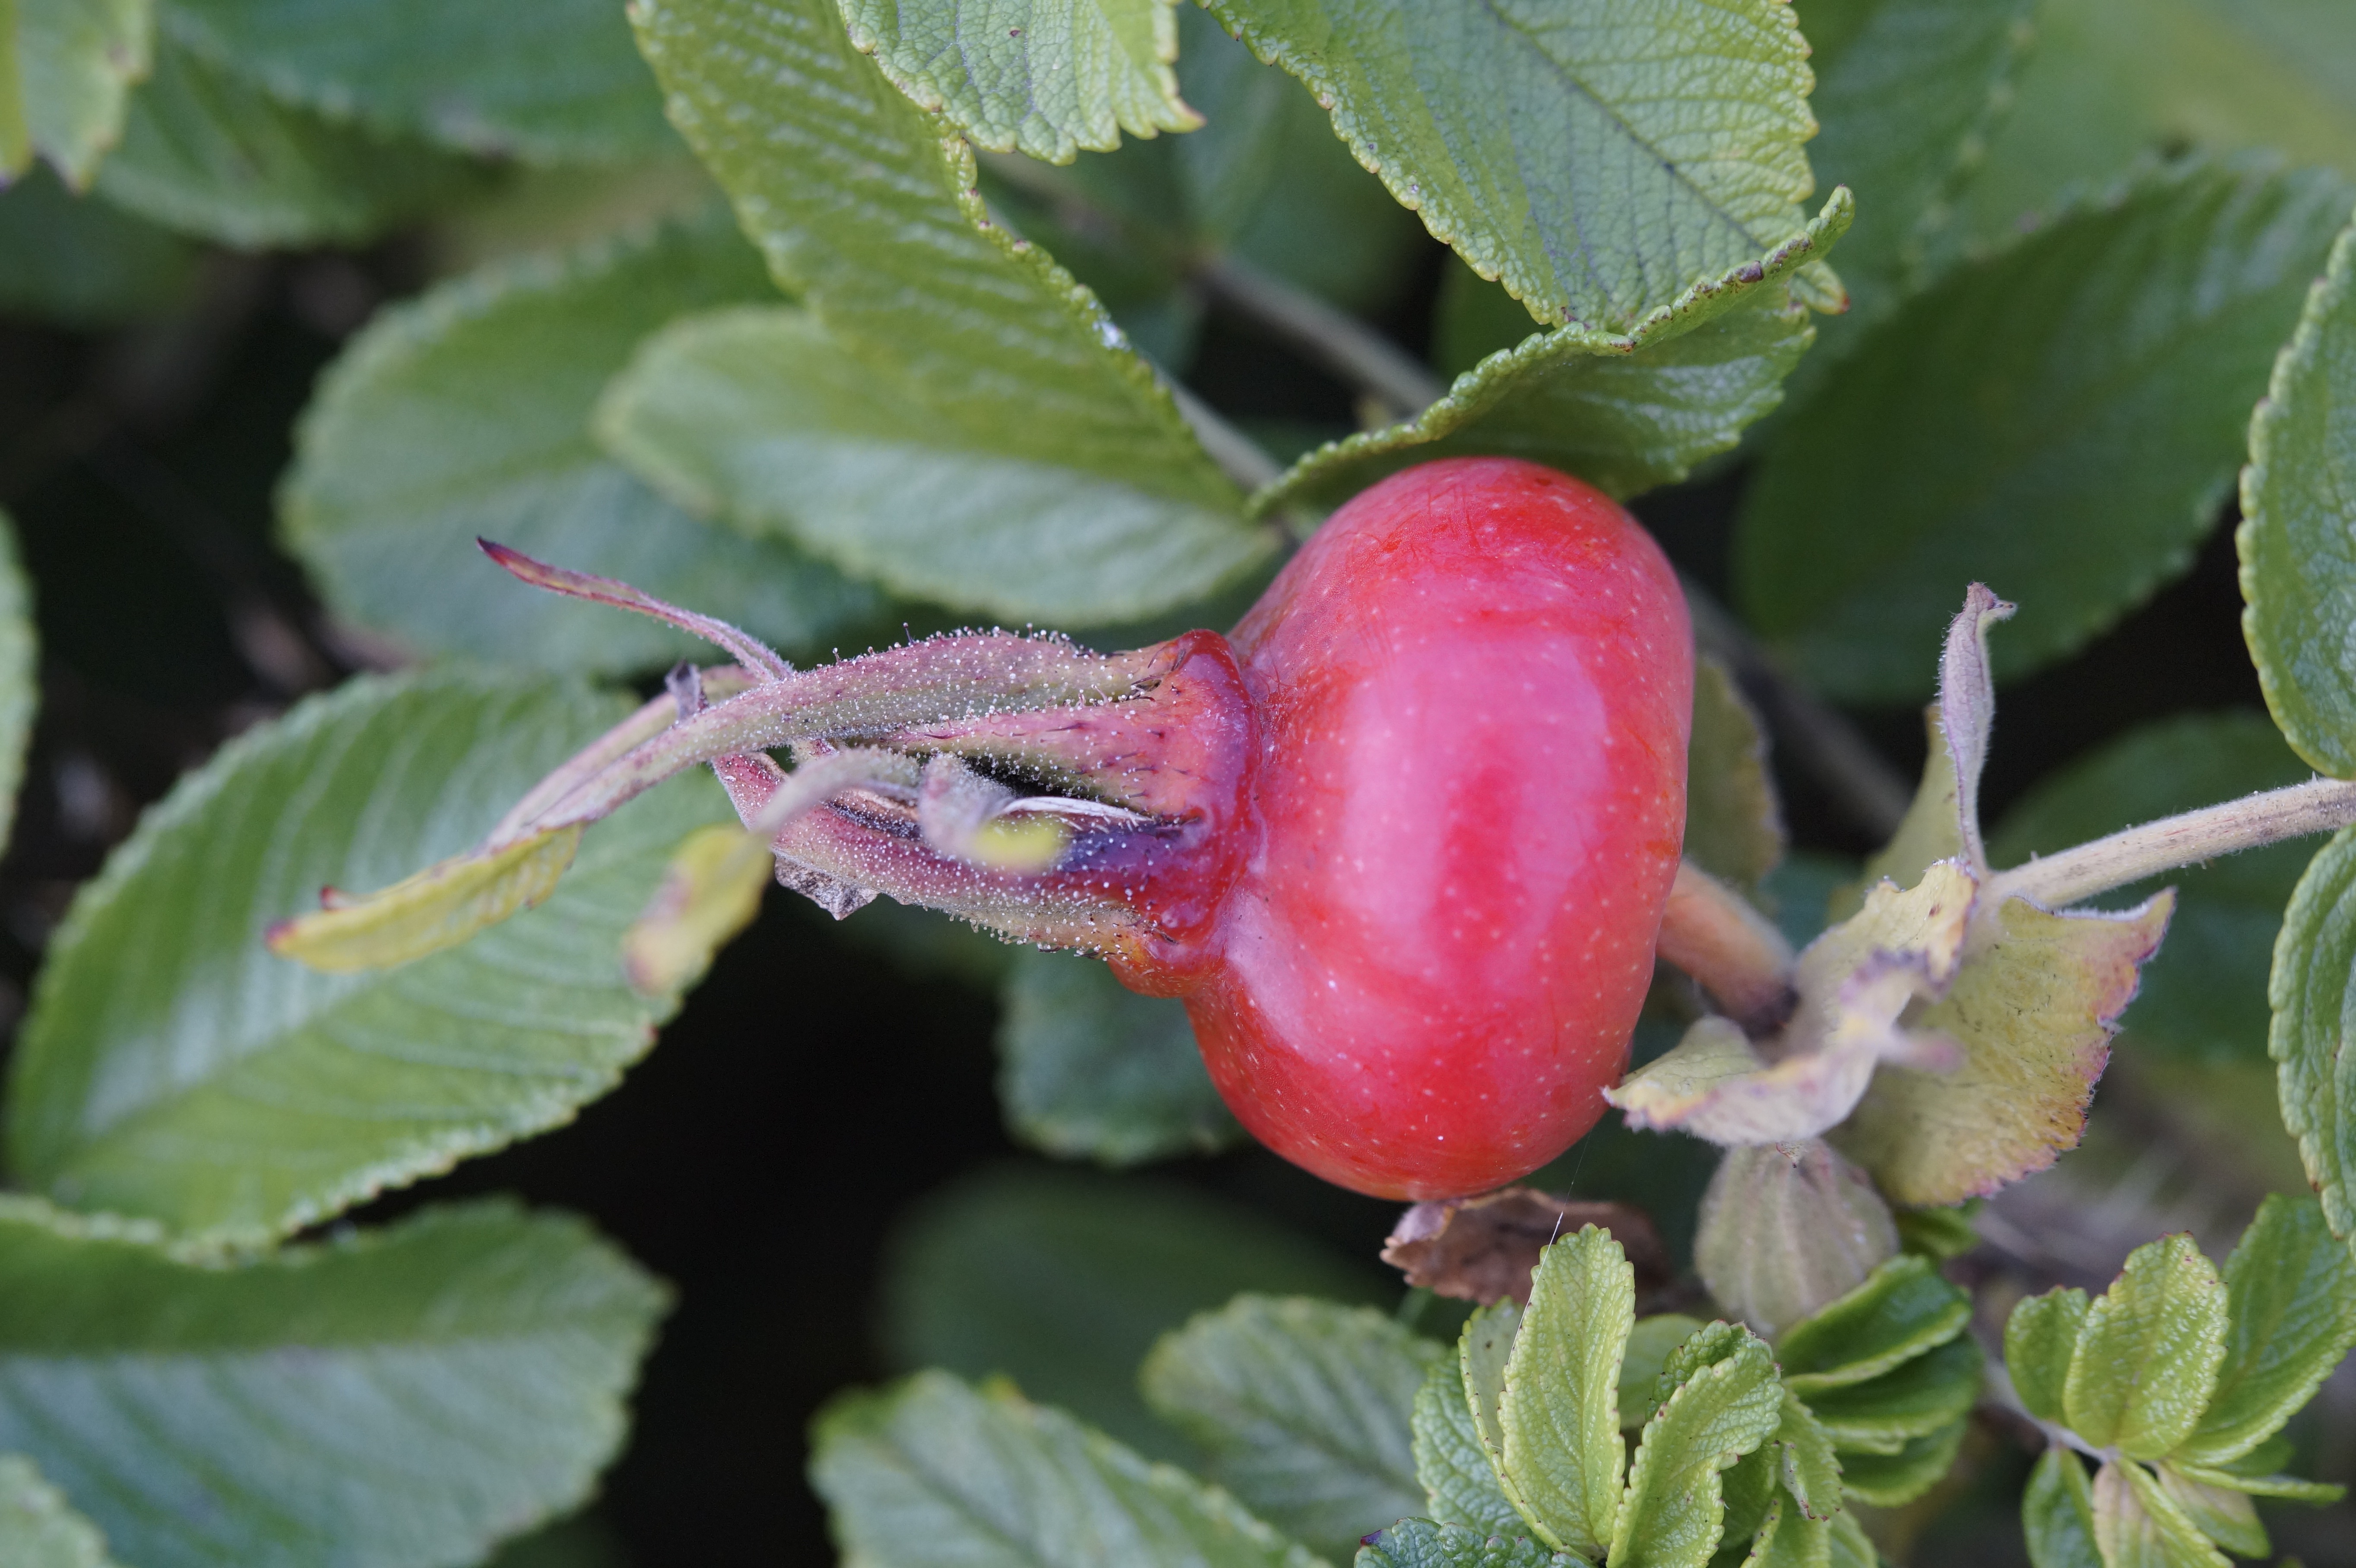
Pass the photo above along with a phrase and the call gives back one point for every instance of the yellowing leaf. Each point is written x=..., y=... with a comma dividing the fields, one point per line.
x=1854, y=982
x=439, y=907
x=2033, y=1007
x=710, y=891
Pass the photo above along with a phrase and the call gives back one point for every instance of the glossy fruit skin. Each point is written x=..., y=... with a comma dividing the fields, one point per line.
x=1471, y=691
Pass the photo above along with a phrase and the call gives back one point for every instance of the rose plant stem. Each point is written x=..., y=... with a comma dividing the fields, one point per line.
x=2320, y=806
x=1732, y=951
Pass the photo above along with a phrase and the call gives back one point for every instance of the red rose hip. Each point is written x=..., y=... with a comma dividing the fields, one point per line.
x=1474, y=689
x=1402, y=843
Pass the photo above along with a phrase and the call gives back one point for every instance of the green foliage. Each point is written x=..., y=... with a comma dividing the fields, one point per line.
x=2039, y=1339
x=1088, y=1069
x=1304, y=1408
x=1624, y=411
x=1887, y=1374
x=2111, y=82
x=936, y=1473
x=1420, y=1543
x=76, y=60
x=1063, y=1282
x=207, y=151
x=1558, y=1413
x=2058, y=1513
x=2204, y=993
x=172, y=1067
x=1721, y=1410
x=1902, y=1311
x=1452, y=1462
x=2297, y=573
x=39, y=1529
x=2149, y=1351
x=764, y=415
x=2291, y=1302
x=2173, y=1368
x=959, y=419
x=1719, y=178
x=1907, y=92
x=72, y=260
x=466, y=414
x=2064, y=416
x=2315, y=966
x=1044, y=77
x=394, y=1399
x=549, y=81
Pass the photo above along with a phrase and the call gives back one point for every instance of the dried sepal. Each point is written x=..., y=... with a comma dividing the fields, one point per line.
x=2032, y=1011
x=1854, y=983
x=1946, y=1038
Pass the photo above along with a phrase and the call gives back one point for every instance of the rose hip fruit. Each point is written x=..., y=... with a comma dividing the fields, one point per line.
x=1474, y=689
x=1402, y=843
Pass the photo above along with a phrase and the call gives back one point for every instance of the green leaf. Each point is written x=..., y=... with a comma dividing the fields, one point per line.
x=1901, y=1310
x=1306, y=1408
x=2147, y=1356
x=76, y=60
x=1907, y=93
x=1624, y=411
x=2137, y=1525
x=1938, y=1233
x=2061, y=421
x=1893, y=1480
x=1459, y=1480
x=39, y=1529
x=1559, y=1416
x=865, y=210
x=2257, y=1481
x=83, y=262
x=1671, y=1511
x=2110, y=81
x=2058, y=1513
x=2223, y=1515
x=1532, y=142
x=1046, y=79
x=466, y=414
x=1483, y=1350
x=545, y=81
x=1088, y=1069
x=933, y=1473
x=1651, y=1343
x=761, y=415
x=206, y=152
x=1420, y=1543
x=2204, y=992
x=2298, y=496
x=2315, y=962
x=1850, y=1547
x=2290, y=1312
x=2039, y=1339
x=394, y=1399
x=1804, y=1460
x=1909, y=1400
x=1063, y=1280
x=171, y=1067
x=1790, y=1539
x=1734, y=823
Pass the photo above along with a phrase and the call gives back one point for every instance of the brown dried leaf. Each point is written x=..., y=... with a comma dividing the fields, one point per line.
x=1483, y=1249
